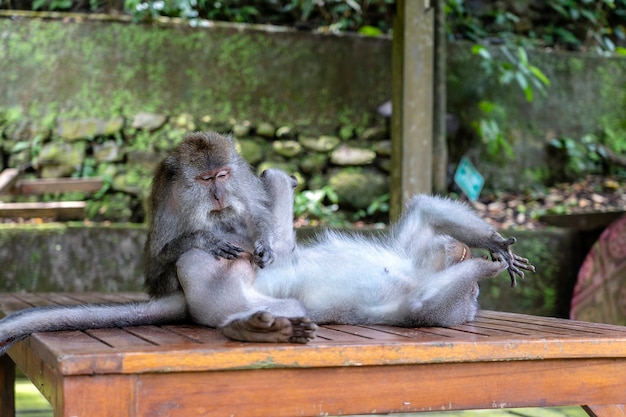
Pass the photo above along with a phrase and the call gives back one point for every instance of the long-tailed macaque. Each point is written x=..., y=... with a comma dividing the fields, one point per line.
x=214, y=224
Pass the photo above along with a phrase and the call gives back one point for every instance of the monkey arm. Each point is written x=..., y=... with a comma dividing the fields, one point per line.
x=201, y=239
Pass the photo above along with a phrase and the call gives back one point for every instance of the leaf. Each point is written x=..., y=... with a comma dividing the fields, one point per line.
x=486, y=106
x=608, y=43
x=523, y=56
x=537, y=73
x=37, y=4
x=370, y=31
x=481, y=51
x=20, y=146
x=528, y=92
x=354, y=5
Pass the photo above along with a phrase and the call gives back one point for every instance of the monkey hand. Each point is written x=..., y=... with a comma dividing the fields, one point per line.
x=501, y=251
x=227, y=250
x=263, y=253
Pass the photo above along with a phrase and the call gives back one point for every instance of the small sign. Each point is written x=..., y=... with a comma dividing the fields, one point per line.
x=469, y=179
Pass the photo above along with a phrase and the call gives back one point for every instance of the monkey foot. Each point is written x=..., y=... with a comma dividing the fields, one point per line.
x=262, y=326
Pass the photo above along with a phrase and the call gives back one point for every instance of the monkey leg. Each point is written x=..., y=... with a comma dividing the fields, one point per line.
x=450, y=297
x=428, y=216
x=219, y=293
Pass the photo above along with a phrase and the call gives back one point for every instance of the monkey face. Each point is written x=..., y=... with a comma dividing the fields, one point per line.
x=215, y=184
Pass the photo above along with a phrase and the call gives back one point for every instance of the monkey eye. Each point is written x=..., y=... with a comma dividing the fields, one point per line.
x=222, y=174
x=205, y=177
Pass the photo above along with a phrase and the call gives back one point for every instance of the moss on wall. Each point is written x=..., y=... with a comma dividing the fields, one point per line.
x=92, y=68
x=56, y=257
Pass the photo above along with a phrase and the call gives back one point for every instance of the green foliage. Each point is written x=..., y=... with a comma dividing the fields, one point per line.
x=321, y=207
x=568, y=24
x=600, y=21
x=52, y=5
x=579, y=160
x=370, y=17
x=507, y=68
x=591, y=154
x=377, y=207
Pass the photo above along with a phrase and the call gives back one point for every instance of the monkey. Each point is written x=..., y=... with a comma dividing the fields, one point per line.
x=249, y=277
x=249, y=315
x=421, y=273
x=204, y=195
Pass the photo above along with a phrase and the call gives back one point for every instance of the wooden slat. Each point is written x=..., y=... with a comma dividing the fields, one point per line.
x=117, y=338
x=57, y=185
x=381, y=389
x=63, y=210
x=549, y=321
x=8, y=178
x=160, y=336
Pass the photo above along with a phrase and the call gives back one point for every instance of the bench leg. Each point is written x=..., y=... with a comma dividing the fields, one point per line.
x=616, y=410
x=7, y=386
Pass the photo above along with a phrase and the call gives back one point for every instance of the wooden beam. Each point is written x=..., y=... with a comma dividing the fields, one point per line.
x=57, y=185
x=64, y=210
x=8, y=177
x=412, y=102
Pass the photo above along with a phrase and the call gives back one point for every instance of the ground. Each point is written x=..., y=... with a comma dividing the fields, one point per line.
x=591, y=194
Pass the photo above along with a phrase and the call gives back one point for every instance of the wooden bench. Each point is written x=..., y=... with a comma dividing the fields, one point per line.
x=499, y=360
x=61, y=210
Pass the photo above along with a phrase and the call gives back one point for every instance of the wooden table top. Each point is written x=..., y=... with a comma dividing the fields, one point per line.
x=493, y=336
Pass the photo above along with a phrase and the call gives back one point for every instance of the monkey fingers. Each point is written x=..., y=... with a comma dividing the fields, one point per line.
x=513, y=262
x=263, y=254
x=227, y=250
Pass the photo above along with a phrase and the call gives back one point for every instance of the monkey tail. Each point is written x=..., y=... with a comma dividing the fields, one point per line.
x=21, y=324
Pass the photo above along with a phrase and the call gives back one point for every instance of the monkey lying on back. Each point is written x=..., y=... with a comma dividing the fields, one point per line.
x=213, y=224
x=420, y=273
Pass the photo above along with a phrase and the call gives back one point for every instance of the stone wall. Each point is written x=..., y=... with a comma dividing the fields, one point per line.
x=124, y=151
x=318, y=85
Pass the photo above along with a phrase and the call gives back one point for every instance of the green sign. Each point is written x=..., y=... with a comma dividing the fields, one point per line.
x=469, y=179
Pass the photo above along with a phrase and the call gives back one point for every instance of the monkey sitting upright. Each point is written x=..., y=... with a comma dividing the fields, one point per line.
x=213, y=224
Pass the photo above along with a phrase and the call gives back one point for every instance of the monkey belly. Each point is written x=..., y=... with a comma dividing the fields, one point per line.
x=337, y=287
x=215, y=288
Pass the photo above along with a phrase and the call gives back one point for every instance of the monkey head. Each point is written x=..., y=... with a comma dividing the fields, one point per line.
x=203, y=172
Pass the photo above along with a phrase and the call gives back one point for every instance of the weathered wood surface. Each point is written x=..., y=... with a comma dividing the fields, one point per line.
x=57, y=185
x=8, y=178
x=498, y=360
x=61, y=210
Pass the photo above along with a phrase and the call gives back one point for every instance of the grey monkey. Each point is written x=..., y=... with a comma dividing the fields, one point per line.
x=221, y=251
